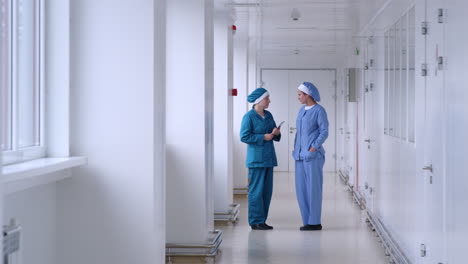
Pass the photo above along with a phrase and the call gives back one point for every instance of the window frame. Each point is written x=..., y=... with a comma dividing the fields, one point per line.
x=398, y=109
x=16, y=154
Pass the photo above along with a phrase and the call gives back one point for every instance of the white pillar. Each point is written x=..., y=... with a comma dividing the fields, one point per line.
x=189, y=131
x=252, y=52
x=160, y=128
x=1, y=185
x=240, y=102
x=223, y=110
x=106, y=211
x=3, y=55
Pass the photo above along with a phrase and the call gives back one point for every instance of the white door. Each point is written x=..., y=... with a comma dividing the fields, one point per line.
x=324, y=80
x=367, y=125
x=340, y=123
x=276, y=82
x=282, y=84
x=434, y=170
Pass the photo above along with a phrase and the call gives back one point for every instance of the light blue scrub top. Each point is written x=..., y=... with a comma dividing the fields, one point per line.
x=312, y=131
x=260, y=153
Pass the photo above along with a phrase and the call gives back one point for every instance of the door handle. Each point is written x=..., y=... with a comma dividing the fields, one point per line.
x=429, y=168
x=367, y=140
x=291, y=130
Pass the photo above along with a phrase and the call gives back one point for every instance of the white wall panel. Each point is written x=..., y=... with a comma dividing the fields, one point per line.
x=57, y=77
x=35, y=211
x=456, y=96
x=397, y=193
x=413, y=209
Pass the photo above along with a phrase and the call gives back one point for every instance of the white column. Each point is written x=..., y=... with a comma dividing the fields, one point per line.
x=223, y=110
x=1, y=186
x=3, y=54
x=240, y=102
x=189, y=115
x=106, y=211
x=252, y=52
x=160, y=128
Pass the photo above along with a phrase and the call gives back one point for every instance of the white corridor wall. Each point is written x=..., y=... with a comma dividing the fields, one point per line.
x=111, y=211
x=415, y=209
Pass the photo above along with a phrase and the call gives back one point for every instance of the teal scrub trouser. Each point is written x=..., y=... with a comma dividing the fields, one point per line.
x=260, y=192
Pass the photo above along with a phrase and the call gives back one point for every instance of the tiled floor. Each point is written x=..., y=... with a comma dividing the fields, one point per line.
x=344, y=239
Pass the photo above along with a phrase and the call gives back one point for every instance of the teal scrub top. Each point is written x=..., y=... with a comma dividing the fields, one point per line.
x=260, y=153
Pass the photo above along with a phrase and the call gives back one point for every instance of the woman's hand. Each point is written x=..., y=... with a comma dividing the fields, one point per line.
x=312, y=150
x=268, y=137
x=276, y=131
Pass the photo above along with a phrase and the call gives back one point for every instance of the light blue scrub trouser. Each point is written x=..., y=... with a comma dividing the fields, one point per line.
x=309, y=182
x=260, y=192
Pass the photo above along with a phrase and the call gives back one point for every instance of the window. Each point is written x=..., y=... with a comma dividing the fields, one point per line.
x=21, y=75
x=399, y=78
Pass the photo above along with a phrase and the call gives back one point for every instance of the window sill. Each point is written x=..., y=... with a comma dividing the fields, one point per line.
x=21, y=176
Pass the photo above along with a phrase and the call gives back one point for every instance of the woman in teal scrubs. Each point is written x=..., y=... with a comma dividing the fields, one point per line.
x=258, y=130
x=309, y=154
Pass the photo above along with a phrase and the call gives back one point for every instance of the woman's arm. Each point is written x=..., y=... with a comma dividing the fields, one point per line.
x=322, y=121
x=246, y=133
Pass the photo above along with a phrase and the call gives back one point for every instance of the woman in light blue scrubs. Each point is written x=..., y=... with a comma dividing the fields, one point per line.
x=309, y=154
x=258, y=130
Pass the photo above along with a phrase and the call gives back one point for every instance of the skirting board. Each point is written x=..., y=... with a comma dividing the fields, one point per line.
x=392, y=250
x=230, y=215
x=210, y=249
x=241, y=191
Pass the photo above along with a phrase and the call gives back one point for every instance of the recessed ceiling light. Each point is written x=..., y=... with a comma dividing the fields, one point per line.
x=295, y=15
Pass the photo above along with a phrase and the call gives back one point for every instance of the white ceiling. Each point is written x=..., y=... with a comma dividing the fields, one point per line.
x=324, y=25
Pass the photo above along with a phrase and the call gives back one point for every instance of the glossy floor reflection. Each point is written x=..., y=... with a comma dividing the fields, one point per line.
x=345, y=237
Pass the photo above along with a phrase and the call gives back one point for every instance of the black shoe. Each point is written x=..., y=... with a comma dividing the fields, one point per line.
x=268, y=226
x=259, y=227
x=311, y=227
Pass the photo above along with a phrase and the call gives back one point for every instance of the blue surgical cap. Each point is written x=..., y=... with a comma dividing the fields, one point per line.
x=257, y=95
x=311, y=90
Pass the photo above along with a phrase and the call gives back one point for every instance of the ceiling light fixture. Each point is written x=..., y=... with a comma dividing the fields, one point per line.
x=243, y=4
x=295, y=15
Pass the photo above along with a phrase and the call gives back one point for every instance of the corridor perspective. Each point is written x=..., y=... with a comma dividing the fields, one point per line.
x=345, y=237
x=233, y=131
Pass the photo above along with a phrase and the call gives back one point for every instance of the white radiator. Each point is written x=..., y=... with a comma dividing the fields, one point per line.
x=11, y=244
